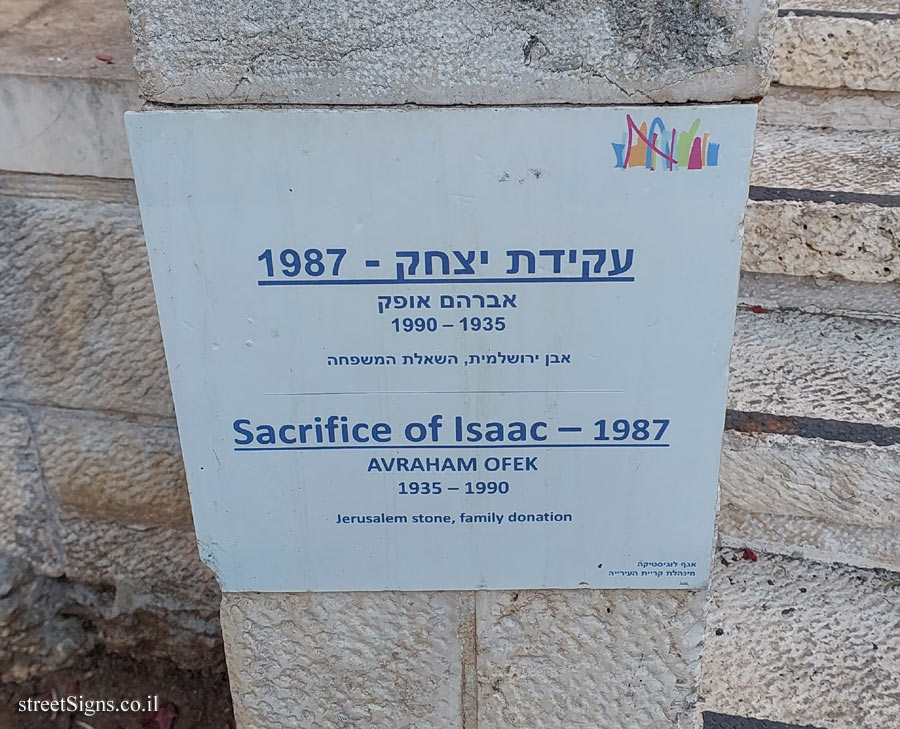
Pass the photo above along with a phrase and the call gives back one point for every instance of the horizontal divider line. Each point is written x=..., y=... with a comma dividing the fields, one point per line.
x=447, y=392
x=453, y=281
x=434, y=446
x=760, y=193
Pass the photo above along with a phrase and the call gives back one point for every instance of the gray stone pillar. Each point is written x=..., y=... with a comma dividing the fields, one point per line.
x=610, y=659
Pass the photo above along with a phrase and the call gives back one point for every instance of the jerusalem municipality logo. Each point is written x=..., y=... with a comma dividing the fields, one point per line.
x=655, y=147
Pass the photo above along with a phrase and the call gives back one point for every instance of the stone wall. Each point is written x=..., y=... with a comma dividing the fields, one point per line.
x=805, y=631
x=91, y=475
x=498, y=659
x=96, y=543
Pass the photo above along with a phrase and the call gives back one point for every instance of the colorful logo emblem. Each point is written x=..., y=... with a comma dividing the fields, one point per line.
x=655, y=148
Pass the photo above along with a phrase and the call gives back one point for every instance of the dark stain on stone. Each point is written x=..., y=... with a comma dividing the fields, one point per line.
x=533, y=46
x=713, y=720
x=813, y=13
x=791, y=194
x=823, y=428
x=666, y=34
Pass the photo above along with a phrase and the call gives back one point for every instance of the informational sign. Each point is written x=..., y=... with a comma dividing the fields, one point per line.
x=448, y=348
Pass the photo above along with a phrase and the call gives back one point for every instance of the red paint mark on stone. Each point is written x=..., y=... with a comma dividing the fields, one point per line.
x=105, y=57
x=757, y=309
x=749, y=555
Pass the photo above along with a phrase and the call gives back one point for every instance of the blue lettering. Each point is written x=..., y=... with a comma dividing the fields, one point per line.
x=265, y=434
x=239, y=428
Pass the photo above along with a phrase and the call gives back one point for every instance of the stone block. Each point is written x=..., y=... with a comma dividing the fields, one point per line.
x=875, y=301
x=826, y=159
x=825, y=202
x=792, y=363
x=802, y=642
x=811, y=477
x=833, y=51
x=103, y=500
x=810, y=538
x=47, y=624
x=61, y=107
x=65, y=126
x=830, y=108
x=95, y=531
x=855, y=240
x=76, y=283
x=154, y=565
x=809, y=461
x=860, y=7
x=28, y=516
x=115, y=469
x=335, y=660
x=18, y=11
x=371, y=52
x=811, y=497
x=37, y=632
x=615, y=659
x=826, y=500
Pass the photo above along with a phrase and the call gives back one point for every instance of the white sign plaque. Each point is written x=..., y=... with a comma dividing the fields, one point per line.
x=448, y=348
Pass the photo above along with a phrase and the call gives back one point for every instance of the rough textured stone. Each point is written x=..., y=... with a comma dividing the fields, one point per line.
x=27, y=516
x=35, y=633
x=842, y=6
x=856, y=241
x=97, y=507
x=826, y=500
x=807, y=538
x=832, y=108
x=820, y=159
x=588, y=658
x=120, y=520
x=47, y=624
x=54, y=187
x=79, y=325
x=792, y=363
x=107, y=494
x=791, y=476
x=803, y=642
x=142, y=485
x=818, y=497
x=834, y=52
x=820, y=296
x=153, y=561
x=336, y=660
x=428, y=52
x=851, y=236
